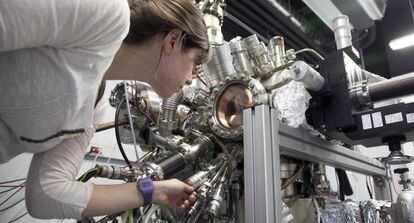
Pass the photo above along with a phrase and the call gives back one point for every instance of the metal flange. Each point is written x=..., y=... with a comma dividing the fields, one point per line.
x=258, y=96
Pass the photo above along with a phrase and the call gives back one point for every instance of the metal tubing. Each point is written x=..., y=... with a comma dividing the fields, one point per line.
x=167, y=120
x=162, y=141
x=198, y=179
x=342, y=31
x=395, y=87
x=277, y=49
x=220, y=65
x=241, y=61
x=172, y=165
x=311, y=79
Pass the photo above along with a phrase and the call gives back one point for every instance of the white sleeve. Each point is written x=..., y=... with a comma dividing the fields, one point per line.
x=61, y=23
x=51, y=187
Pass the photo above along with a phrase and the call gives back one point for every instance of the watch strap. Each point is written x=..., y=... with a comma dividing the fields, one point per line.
x=145, y=186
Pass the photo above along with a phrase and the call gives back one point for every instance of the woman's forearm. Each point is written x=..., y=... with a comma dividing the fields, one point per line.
x=110, y=199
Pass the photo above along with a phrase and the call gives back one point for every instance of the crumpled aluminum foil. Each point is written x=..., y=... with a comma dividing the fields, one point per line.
x=287, y=216
x=341, y=212
x=351, y=211
x=291, y=102
x=371, y=207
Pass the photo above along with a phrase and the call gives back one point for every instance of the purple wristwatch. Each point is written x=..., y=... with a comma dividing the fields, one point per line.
x=145, y=186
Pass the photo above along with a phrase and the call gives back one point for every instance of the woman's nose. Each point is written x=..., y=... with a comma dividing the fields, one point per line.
x=189, y=81
x=190, y=77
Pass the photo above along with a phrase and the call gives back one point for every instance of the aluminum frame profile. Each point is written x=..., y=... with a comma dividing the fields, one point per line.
x=265, y=138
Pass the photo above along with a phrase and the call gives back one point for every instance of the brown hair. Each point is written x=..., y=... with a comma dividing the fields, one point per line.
x=153, y=17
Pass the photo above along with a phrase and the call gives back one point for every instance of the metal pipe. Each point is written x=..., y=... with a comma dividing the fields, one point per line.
x=172, y=165
x=167, y=120
x=392, y=88
x=213, y=17
x=277, y=50
x=311, y=51
x=259, y=56
x=116, y=172
x=217, y=197
x=198, y=179
x=108, y=125
x=220, y=65
x=156, y=139
x=193, y=152
x=342, y=31
x=311, y=79
x=241, y=61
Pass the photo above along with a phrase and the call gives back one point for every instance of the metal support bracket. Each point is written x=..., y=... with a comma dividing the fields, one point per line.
x=265, y=138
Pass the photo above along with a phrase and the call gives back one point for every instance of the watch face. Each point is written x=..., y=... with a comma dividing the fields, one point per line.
x=146, y=184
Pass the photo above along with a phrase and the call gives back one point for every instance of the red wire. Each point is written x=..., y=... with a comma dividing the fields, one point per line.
x=143, y=157
x=146, y=115
x=195, y=73
x=6, y=185
x=135, y=103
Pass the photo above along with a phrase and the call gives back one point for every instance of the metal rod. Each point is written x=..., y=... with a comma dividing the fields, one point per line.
x=311, y=51
x=131, y=123
x=108, y=125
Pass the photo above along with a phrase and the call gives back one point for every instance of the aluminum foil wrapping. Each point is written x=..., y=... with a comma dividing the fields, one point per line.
x=341, y=212
x=370, y=208
x=287, y=216
x=291, y=102
x=353, y=211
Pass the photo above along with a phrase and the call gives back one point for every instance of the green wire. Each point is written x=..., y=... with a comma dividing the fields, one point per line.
x=82, y=178
x=131, y=217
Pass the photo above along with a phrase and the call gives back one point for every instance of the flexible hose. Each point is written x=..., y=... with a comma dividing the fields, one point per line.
x=117, y=135
x=311, y=51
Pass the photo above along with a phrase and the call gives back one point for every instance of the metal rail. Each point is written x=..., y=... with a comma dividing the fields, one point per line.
x=265, y=139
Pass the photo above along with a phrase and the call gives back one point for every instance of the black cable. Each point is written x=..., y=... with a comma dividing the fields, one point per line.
x=345, y=188
x=5, y=191
x=117, y=136
x=368, y=187
x=11, y=181
x=11, y=196
x=21, y=216
x=4, y=209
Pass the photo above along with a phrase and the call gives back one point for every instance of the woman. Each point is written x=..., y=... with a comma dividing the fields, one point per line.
x=53, y=55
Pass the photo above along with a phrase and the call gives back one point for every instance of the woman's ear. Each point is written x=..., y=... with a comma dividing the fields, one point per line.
x=172, y=41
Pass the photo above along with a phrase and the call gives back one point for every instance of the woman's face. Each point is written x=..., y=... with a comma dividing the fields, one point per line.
x=175, y=65
x=175, y=70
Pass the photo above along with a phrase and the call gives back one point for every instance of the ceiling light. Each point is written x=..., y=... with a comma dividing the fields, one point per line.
x=402, y=42
x=280, y=8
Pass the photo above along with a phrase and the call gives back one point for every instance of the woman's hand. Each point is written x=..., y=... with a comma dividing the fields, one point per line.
x=174, y=194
